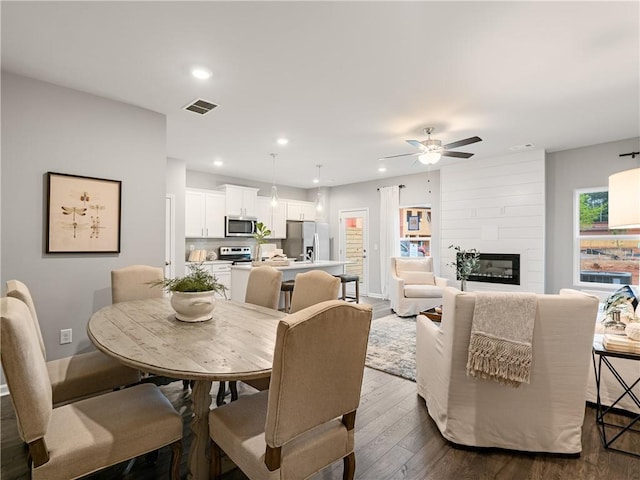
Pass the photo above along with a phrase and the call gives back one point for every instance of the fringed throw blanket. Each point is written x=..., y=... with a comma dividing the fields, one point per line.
x=501, y=334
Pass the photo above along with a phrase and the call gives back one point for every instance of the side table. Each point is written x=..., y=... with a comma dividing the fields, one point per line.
x=601, y=356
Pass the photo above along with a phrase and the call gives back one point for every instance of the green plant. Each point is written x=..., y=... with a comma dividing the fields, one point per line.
x=469, y=262
x=261, y=233
x=198, y=280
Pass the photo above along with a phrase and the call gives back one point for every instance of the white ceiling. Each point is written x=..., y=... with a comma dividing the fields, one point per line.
x=346, y=82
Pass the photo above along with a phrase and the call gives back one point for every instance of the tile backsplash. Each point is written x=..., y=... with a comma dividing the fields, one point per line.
x=214, y=244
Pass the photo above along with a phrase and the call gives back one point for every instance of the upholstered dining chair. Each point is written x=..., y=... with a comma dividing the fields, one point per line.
x=133, y=283
x=79, y=438
x=263, y=289
x=79, y=375
x=305, y=421
x=313, y=287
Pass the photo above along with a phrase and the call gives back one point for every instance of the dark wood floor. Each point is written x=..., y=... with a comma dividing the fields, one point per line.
x=395, y=439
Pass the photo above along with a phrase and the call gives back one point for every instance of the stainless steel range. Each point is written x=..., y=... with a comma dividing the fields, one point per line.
x=235, y=254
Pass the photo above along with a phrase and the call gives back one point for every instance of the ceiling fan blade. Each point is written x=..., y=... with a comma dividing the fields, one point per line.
x=462, y=143
x=416, y=144
x=401, y=155
x=446, y=153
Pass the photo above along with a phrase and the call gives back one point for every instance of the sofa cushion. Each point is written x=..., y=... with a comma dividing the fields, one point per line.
x=418, y=278
x=422, y=291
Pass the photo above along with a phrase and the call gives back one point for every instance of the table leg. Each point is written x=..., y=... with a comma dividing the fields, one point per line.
x=200, y=403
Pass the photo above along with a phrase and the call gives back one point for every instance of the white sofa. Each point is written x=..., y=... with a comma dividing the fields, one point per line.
x=545, y=415
x=413, y=286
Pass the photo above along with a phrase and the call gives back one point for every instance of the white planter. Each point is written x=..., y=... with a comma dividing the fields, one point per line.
x=193, y=306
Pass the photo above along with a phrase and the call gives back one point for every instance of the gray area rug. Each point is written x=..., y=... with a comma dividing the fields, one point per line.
x=392, y=346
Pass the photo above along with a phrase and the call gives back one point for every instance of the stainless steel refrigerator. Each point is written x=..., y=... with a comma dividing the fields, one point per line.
x=307, y=241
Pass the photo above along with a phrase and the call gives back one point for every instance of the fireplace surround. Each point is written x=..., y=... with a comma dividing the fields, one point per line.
x=497, y=268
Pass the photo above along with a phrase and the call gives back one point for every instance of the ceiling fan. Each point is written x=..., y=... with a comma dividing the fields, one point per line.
x=431, y=150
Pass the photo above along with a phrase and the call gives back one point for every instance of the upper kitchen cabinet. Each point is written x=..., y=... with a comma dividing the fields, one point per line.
x=240, y=201
x=300, y=210
x=275, y=218
x=204, y=214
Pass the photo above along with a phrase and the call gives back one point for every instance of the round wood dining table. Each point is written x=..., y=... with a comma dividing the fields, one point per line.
x=236, y=344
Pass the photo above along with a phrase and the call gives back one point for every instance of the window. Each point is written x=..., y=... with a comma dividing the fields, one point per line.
x=415, y=231
x=602, y=256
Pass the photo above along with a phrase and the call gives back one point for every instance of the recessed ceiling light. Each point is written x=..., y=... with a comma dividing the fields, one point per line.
x=201, y=73
x=218, y=163
x=315, y=180
x=382, y=169
x=283, y=141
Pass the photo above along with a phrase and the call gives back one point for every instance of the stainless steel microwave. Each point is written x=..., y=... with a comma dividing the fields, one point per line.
x=239, y=226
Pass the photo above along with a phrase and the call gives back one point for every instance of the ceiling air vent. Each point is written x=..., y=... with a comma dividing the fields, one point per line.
x=200, y=106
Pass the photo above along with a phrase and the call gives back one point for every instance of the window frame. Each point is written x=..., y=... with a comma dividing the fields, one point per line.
x=577, y=237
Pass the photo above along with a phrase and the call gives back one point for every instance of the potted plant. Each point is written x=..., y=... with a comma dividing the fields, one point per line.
x=260, y=236
x=193, y=295
x=468, y=264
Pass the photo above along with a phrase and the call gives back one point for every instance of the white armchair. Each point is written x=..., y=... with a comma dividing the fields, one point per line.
x=545, y=415
x=414, y=287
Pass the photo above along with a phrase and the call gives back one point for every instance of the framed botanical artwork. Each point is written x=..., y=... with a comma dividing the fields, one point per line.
x=83, y=214
x=414, y=222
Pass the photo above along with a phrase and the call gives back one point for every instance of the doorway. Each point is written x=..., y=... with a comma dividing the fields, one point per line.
x=169, y=236
x=354, y=246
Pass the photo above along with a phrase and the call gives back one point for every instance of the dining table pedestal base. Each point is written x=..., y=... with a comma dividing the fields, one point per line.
x=198, y=458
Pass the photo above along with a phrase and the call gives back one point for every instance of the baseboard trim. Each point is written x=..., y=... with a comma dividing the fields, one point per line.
x=374, y=295
x=4, y=390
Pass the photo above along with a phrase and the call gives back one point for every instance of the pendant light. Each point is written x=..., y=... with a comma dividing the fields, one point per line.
x=274, y=189
x=319, y=202
x=624, y=199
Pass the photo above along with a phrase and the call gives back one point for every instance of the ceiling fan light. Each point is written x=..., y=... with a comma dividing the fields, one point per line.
x=429, y=158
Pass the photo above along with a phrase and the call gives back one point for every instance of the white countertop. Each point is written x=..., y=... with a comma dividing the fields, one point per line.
x=212, y=262
x=297, y=265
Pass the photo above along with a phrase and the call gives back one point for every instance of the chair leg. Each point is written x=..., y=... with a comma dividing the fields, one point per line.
x=233, y=386
x=344, y=292
x=222, y=390
x=185, y=384
x=216, y=463
x=358, y=291
x=349, y=466
x=176, y=458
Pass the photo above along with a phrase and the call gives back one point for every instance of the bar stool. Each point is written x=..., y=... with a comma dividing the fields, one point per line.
x=346, y=278
x=287, y=288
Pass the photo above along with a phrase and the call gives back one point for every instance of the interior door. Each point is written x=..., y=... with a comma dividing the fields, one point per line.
x=354, y=246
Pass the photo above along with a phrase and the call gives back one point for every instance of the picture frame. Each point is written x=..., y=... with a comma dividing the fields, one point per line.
x=83, y=214
x=414, y=222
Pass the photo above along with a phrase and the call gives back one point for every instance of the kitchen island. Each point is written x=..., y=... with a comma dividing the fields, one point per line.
x=240, y=273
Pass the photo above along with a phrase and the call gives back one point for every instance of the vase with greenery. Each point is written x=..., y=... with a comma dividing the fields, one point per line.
x=260, y=236
x=193, y=295
x=466, y=264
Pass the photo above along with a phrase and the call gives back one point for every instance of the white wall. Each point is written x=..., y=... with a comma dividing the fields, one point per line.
x=567, y=171
x=420, y=189
x=50, y=128
x=496, y=205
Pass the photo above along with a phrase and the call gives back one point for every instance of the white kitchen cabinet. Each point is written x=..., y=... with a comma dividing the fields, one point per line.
x=274, y=218
x=221, y=270
x=300, y=210
x=240, y=201
x=204, y=214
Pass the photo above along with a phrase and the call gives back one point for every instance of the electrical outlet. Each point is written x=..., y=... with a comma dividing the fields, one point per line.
x=66, y=336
